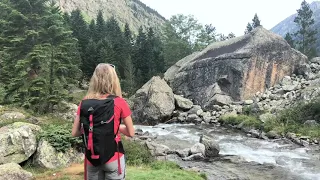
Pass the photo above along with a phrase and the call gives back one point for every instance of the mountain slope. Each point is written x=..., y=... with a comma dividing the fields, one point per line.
x=287, y=25
x=132, y=11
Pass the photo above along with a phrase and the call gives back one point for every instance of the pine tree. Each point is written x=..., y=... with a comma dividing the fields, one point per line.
x=289, y=39
x=306, y=35
x=140, y=57
x=92, y=29
x=18, y=38
x=100, y=27
x=115, y=40
x=156, y=63
x=129, y=81
x=249, y=28
x=255, y=21
x=41, y=55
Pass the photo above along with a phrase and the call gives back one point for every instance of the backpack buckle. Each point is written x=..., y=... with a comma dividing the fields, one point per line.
x=90, y=128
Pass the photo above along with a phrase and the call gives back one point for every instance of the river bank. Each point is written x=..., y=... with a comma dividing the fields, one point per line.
x=240, y=157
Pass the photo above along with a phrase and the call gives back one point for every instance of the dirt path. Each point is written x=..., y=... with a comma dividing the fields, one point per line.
x=74, y=172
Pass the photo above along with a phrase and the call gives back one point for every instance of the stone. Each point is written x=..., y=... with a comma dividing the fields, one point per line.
x=183, y=153
x=266, y=117
x=138, y=132
x=311, y=123
x=12, y=115
x=212, y=148
x=193, y=157
x=157, y=149
x=66, y=111
x=13, y=171
x=195, y=109
x=273, y=135
x=182, y=102
x=248, y=102
x=18, y=142
x=236, y=65
x=315, y=60
x=47, y=157
x=192, y=117
x=153, y=102
x=197, y=148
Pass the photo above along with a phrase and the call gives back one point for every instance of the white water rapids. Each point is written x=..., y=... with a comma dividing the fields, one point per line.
x=294, y=159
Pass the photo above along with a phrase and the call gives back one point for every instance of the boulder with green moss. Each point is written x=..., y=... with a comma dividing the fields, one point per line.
x=46, y=156
x=13, y=171
x=18, y=142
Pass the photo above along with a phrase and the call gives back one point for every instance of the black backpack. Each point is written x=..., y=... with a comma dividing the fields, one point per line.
x=97, y=127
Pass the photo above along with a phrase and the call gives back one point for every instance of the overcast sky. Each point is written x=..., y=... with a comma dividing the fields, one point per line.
x=229, y=15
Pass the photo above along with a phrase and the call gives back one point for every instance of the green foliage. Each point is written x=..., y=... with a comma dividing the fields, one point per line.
x=39, y=57
x=288, y=120
x=136, y=153
x=306, y=35
x=255, y=23
x=247, y=121
x=59, y=136
x=163, y=170
x=289, y=39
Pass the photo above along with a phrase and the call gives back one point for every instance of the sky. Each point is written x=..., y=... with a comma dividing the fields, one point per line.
x=229, y=15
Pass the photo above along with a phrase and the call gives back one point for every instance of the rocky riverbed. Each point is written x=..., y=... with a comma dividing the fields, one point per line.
x=240, y=157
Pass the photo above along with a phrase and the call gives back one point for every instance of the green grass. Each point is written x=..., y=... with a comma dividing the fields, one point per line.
x=158, y=170
x=248, y=121
x=162, y=170
x=288, y=120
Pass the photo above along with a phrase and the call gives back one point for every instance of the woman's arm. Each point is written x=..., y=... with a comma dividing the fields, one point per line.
x=127, y=128
x=76, y=127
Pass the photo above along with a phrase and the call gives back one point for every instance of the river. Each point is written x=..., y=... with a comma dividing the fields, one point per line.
x=241, y=157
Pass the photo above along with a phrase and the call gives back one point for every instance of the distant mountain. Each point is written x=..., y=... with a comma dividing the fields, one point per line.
x=134, y=12
x=288, y=25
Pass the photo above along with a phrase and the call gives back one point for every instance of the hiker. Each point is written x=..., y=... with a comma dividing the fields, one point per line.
x=98, y=121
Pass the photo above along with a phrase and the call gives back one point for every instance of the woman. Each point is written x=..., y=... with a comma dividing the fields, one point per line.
x=104, y=83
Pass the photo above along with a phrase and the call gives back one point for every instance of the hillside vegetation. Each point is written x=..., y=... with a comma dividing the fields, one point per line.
x=133, y=12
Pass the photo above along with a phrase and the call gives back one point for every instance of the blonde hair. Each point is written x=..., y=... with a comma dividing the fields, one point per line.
x=104, y=81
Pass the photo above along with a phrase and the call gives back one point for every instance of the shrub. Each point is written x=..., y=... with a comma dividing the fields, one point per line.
x=136, y=153
x=248, y=121
x=59, y=136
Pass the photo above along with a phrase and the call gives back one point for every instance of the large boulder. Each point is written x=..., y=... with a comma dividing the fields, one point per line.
x=212, y=148
x=153, y=103
x=183, y=103
x=47, y=157
x=13, y=171
x=235, y=69
x=18, y=142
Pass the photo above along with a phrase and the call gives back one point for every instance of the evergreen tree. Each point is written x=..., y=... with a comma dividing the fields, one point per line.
x=140, y=57
x=248, y=28
x=90, y=60
x=157, y=60
x=81, y=32
x=129, y=81
x=100, y=27
x=41, y=55
x=116, y=41
x=92, y=29
x=306, y=35
x=255, y=21
x=289, y=39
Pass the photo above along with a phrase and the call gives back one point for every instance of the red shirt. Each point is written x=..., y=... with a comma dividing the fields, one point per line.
x=121, y=110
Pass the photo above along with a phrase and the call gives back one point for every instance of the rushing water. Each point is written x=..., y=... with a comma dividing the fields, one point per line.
x=286, y=157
